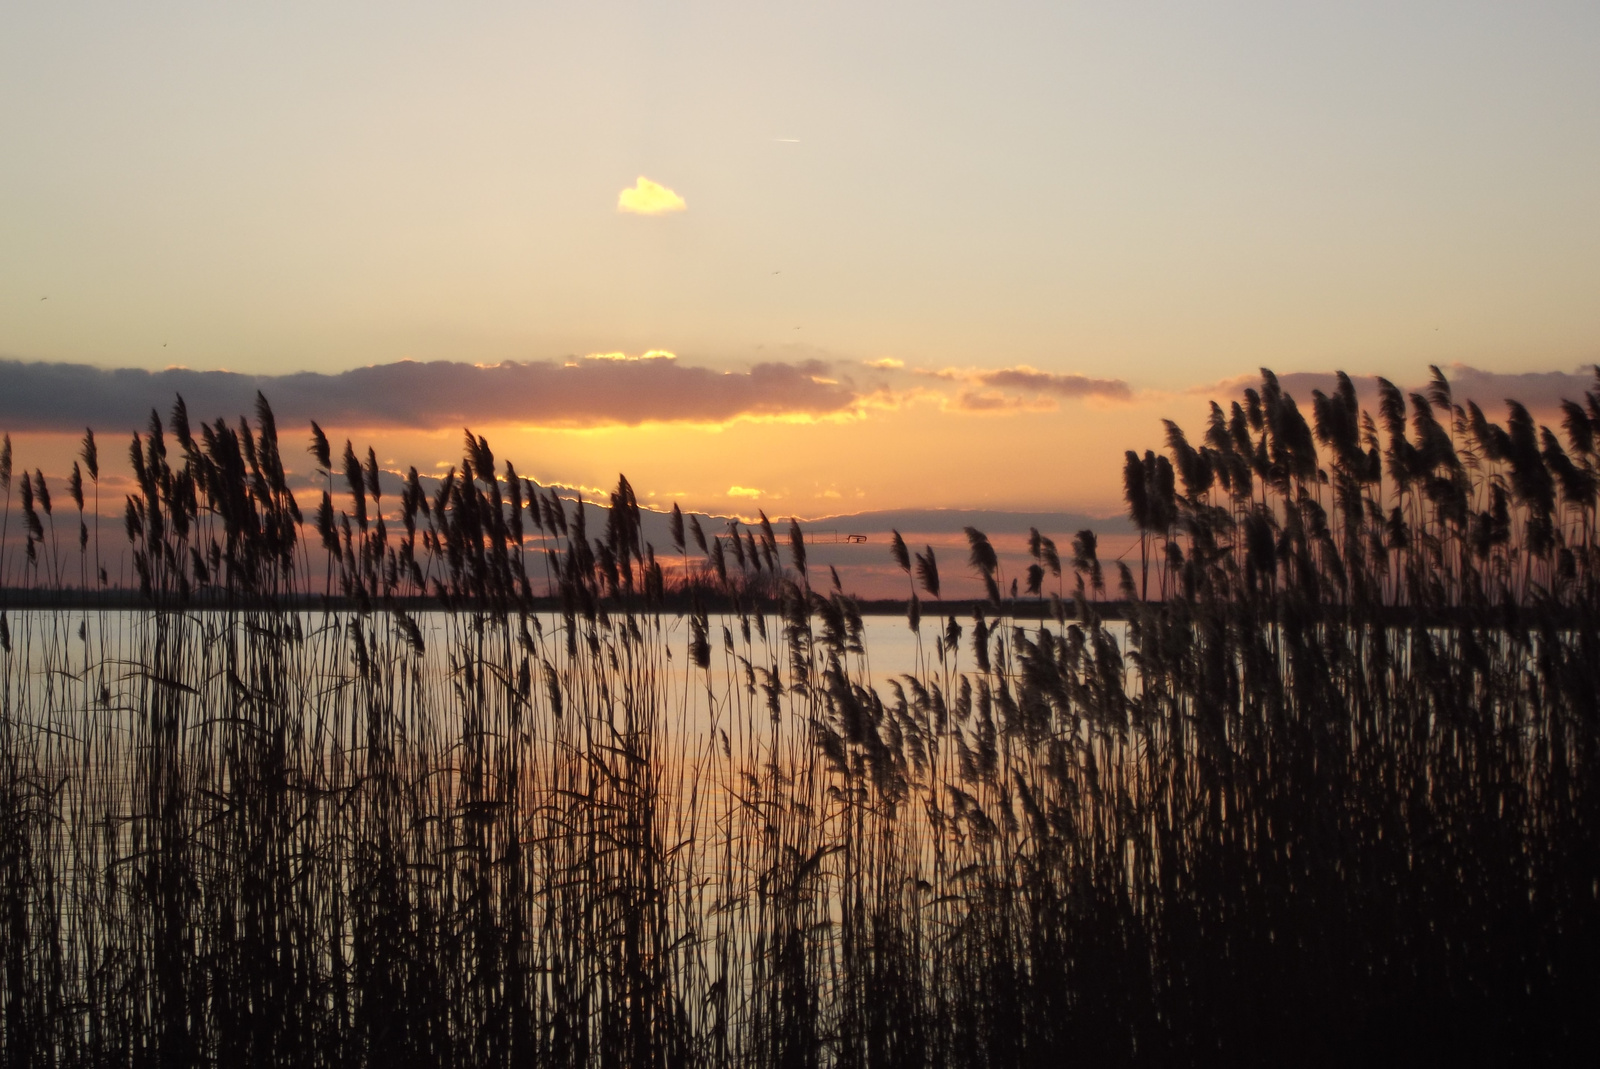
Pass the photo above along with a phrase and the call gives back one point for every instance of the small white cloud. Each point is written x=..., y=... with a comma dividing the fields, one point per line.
x=888, y=363
x=649, y=198
x=743, y=491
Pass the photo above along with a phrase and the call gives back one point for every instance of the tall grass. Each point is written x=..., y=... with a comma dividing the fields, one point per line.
x=1330, y=791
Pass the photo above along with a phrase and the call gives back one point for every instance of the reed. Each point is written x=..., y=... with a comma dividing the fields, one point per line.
x=1331, y=793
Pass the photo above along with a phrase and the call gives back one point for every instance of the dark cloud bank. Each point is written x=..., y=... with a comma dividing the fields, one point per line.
x=68, y=397
x=1540, y=391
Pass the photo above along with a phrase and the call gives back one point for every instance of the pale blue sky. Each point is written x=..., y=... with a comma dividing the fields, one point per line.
x=1168, y=194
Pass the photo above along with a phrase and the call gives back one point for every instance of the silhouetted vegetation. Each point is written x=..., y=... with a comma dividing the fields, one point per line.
x=1328, y=790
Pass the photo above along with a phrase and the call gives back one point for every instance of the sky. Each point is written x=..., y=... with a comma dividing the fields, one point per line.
x=811, y=258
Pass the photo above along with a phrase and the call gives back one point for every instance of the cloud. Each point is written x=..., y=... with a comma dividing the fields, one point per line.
x=624, y=358
x=744, y=491
x=584, y=393
x=888, y=363
x=1023, y=377
x=983, y=384
x=1540, y=391
x=649, y=198
x=992, y=401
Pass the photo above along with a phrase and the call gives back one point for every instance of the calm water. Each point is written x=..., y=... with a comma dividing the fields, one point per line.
x=63, y=659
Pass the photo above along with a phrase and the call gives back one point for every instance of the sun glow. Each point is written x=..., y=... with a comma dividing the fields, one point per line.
x=624, y=358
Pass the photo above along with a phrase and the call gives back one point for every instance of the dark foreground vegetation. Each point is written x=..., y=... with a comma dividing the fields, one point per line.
x=1330, y=790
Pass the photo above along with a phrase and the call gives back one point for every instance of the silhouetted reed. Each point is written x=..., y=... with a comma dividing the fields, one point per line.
x=1328, y=788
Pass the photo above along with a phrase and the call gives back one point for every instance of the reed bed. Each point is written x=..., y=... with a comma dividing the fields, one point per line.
x=1327, y=789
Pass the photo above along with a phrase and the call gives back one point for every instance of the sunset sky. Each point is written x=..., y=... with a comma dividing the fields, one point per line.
x=811, y=258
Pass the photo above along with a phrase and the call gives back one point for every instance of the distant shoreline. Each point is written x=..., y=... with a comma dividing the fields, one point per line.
x=672, y=605
x=679, y=605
